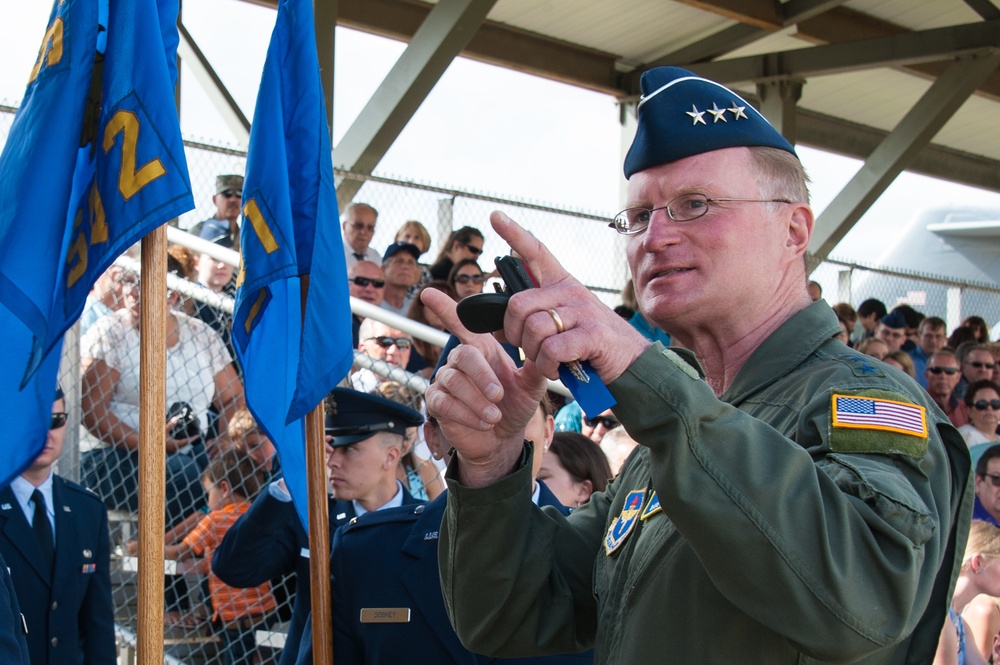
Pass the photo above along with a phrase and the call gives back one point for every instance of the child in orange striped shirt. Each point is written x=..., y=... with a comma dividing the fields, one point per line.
x=230, y=481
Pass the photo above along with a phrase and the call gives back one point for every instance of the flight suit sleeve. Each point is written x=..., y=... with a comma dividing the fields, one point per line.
x=794, y=528
x=518, y=579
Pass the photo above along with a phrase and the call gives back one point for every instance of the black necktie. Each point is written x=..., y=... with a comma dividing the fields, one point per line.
x=43, y=530
x=359, y=257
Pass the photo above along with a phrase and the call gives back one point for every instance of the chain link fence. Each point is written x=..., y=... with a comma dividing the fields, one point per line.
x=212, y=440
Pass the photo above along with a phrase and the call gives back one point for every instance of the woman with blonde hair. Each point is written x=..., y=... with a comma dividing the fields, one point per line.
x=979, y=574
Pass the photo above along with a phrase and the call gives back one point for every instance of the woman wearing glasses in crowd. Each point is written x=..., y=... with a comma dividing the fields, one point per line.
x=200, y=374
x=466, y=278
x=983, y=400
x=465, y=243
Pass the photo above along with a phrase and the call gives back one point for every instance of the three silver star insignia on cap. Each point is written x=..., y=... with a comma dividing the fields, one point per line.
x=718, y=115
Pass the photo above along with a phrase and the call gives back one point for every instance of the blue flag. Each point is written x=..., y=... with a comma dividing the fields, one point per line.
x=93, y=162
x=290, y=239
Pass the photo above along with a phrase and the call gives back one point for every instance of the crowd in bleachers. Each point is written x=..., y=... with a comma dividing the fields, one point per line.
x=226, y=500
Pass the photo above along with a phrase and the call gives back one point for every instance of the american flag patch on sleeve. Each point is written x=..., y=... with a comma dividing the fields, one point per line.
x=862, y=412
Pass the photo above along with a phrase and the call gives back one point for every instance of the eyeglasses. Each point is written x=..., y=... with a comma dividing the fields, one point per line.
x=58, y=420
x=465, y=279
x=609, y=423
x=684, y=208
x=365, y=281
x=129, y=282
x=230, y=193
x=402, y=343
x=361, y=226
x=950, y=371
x=982, y=404
x=476, y=251
x=979, y=365
x=994, y=478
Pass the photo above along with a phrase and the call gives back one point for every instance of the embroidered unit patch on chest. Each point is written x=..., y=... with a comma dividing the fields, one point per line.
x=879, y=414
x=622, y=526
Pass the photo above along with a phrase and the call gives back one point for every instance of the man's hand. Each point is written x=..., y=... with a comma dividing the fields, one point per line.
x=591, y=331
x=480, y=398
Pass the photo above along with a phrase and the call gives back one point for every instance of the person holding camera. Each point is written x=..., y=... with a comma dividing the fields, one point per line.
x=200, y=373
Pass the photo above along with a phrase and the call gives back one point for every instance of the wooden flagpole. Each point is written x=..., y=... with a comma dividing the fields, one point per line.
x=319, y=528
x=152, y=442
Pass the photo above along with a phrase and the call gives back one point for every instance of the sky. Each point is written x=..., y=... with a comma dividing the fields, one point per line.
x=482, y=128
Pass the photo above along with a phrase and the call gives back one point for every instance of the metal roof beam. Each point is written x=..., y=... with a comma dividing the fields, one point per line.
x=853, y=140
x=889, y=51
x=909, y=137
x=985, y=8
x=213, y=86
x=445, y=32
x=494, y=43
x=761, y=13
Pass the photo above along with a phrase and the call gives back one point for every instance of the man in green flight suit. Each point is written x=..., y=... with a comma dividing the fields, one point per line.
x=791, y=500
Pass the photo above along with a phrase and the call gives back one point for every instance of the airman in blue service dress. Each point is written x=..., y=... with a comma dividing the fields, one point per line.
x=387, y=593
x=269, y=541
x=68, y=611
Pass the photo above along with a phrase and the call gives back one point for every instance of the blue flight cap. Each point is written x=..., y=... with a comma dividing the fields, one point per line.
x=397, y=247
x=681, y=114
x=512, y=351
x=353, y=416
x=894, y=319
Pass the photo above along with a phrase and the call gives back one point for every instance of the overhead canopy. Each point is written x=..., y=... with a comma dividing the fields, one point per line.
x=902, y=84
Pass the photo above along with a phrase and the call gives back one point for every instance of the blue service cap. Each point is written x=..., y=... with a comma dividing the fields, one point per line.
x=681, y=114
x=894, y=319
x=512, y=351
x=354, y=416
x=397, y=247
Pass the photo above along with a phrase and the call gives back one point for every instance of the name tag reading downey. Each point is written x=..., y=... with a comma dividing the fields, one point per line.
x=385, y=615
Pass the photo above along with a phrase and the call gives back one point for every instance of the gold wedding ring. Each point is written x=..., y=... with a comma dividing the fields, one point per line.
x=560, y=328
x=574, y=366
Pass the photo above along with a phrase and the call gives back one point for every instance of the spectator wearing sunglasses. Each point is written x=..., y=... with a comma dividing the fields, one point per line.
x=977, y=364
x=987, y=504
x=467, y=278
x=595, y=428
x=380, y=342
x=942, y=376
x=983, y=402
x=358, y=225
x=228, y=199
x=54, y=539
x=365, y=281
x=465, y=243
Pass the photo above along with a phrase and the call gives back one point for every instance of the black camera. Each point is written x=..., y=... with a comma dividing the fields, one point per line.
x=187, y=421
